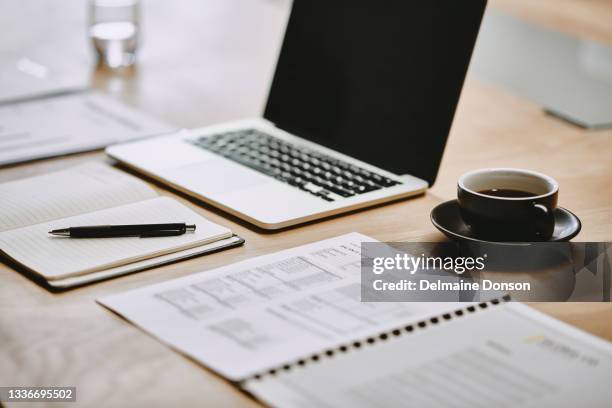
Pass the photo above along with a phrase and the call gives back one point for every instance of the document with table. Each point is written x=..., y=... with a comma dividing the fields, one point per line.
x=259, y=314
x=95, y=194
x=51, y=126
x=290, y=329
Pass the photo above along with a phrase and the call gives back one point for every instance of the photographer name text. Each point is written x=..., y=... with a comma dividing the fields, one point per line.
x=438, y=285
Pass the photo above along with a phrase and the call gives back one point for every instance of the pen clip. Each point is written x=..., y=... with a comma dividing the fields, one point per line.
x=168, y=233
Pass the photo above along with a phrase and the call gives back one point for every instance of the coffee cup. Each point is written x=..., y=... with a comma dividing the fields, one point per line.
x=504, y=204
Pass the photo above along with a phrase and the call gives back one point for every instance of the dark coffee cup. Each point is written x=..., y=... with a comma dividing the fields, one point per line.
x=508, y=204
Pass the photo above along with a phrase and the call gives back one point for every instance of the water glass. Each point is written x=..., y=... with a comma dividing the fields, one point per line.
x=114, y=29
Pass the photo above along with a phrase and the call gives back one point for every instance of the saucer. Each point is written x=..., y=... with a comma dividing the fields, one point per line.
x=447, y=219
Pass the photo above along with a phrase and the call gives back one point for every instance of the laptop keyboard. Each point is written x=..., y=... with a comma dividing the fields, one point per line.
x=321, y=175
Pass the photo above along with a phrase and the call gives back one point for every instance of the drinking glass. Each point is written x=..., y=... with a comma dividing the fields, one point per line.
x=114, y=29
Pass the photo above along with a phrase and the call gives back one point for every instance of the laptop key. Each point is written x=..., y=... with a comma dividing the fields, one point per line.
x=326, y=195
x=339, y=190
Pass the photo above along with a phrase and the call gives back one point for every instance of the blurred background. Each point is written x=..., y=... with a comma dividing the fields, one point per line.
x=206, y=61
x=219, y=55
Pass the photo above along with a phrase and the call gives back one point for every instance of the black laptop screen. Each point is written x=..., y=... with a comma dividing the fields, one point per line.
x=378, y=80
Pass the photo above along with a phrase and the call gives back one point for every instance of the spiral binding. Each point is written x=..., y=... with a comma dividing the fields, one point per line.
x=397, y=332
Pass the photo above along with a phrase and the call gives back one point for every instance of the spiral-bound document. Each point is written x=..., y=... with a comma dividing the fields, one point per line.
x=265, y=312
x=488, y=355
x=290, y=329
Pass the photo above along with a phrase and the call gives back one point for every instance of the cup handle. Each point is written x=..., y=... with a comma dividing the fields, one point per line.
x=544, y=221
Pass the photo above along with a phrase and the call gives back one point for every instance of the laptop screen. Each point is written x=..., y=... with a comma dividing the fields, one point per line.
x=378, y=80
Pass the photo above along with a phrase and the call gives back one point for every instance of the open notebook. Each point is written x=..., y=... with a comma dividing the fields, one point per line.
x=290, y=328
x=95, y=194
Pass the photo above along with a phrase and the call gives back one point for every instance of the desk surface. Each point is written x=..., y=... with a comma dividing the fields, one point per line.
x=207, y=72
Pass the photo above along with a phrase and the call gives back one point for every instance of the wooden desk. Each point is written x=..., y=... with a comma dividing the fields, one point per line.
x=210, y=71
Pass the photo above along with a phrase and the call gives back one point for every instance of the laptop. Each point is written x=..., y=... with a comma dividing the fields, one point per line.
x=358, y=113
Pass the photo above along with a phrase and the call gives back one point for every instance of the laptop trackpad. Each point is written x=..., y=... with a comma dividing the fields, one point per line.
x=215, y=176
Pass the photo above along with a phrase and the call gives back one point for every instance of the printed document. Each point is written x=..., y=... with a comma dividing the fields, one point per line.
x=265, y=312
x=508, y=355
x=70, y=123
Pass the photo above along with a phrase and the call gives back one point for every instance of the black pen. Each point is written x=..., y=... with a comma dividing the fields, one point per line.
x=137, y=230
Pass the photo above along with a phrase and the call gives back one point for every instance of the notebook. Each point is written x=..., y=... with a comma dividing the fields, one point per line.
x=95, y=194
x=289, y=328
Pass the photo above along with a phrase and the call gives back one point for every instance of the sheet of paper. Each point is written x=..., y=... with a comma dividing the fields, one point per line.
x=510, y=355
x=76, y=190
x=29, y=76
x=60, y=257
x=70, y=123
x=261, y=313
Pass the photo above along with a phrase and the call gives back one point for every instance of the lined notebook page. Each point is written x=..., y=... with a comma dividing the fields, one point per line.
x=77, y=190
x=61, y=257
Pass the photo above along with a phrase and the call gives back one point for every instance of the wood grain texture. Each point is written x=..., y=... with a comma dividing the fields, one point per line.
x=208, y=61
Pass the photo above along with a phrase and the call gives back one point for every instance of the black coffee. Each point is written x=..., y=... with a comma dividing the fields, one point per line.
x=504, y=192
